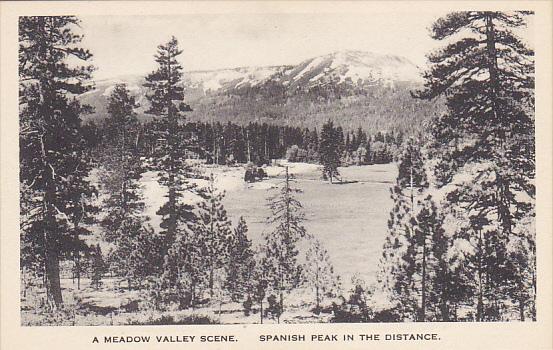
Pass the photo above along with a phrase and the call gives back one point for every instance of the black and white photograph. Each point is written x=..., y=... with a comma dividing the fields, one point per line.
x=277, y=168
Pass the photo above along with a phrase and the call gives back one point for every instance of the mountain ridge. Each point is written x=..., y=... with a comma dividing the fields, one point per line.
x=352, y=87
x=352, y=64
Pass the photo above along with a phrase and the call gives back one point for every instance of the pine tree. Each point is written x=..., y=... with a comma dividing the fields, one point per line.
x=281, y=244
x=487, y=131
x=241, y=264
x=522, y=260
x=180, y=250
x=214, y=231
x=433, y=264
x=398, y=263
x=412, y=175
x=361, y=138
x=53, y=159
x=261, y=278
x=166, y=99
x=498, y=273
x=477, y=263
x=445, y=290
x=368, y=155
x=185, y=269
x=313, y=146
x=124, y=222
x=98, y=267
x=329, y=150
x=319, y=273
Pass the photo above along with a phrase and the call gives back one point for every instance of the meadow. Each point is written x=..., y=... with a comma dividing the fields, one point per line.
x=349, y=218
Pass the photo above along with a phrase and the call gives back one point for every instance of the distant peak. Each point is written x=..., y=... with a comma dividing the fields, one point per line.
x=343, y=64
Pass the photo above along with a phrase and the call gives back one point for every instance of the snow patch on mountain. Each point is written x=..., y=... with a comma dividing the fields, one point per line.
x=314, y=64
x=231, y=78
x=359, y=67
x=317, y=77
x=356, y=68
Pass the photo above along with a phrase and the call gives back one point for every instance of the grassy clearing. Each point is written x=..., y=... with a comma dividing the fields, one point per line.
x=349, y=219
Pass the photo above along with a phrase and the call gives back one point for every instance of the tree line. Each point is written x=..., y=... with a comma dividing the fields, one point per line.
x=231, y=143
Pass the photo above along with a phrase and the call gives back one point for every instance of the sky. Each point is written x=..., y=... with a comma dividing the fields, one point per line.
x=125, y=45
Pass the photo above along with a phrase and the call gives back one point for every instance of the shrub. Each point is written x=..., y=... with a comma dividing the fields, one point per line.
x=261, y=173
x=274, y=309
x=355, y=309
x=387, y=315
x=165, y=320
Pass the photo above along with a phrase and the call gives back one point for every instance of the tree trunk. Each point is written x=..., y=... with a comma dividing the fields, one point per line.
x=248, y=145
x=534, y=288
x=211, y=281
x=23, y=275
x=261, y=310
x=422, y=316
x=78, y=267
x=53, y=287
x=455, y=312
x=411, y=186
x=480, y=306
x=281, y=306
x=51, y=253
x=317, y=299
x=444, y=307
x=212, y=234
x=192, y=296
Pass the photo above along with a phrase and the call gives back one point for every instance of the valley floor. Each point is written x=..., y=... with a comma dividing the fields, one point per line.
x=350, y=218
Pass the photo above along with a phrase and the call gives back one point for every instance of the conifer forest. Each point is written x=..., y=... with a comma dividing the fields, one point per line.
x=351, y=187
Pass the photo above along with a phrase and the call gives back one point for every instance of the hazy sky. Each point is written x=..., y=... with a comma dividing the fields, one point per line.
x=126, y=44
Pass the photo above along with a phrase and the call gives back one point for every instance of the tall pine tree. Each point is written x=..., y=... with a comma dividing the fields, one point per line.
x=398, y=265
x=166, y=97
x=124, y=222
x=281, y=244
x=53, y=159
x=487, y=76
x=215, y=232
x=432, y=263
